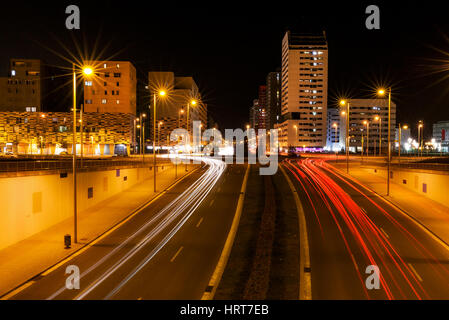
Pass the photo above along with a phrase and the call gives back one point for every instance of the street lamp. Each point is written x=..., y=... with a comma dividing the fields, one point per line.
x=159, y=134
x=161, y=93
x=86, y=71
x=366, y=122
x=142, y=135
x=420, y=137
x=335, y=125
x=382, y=92
x=405, y=127
x=343, y=103
x=296, y=132
x=379, y=118
x=193, y=103
x=179, y=117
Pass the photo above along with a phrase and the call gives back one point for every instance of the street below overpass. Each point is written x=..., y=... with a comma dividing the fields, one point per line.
x=351, y=228
x=169, y=250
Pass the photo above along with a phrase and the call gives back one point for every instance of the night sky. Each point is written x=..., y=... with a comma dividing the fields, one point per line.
x=229, y=46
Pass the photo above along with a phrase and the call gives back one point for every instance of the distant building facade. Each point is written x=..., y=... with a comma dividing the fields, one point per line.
x=21, y=91
x=172, y=109
x=52, y=133
x=304, y=91
x=111, y=89
x=258, y=117
x=441, y=135
x=333, y=130
x=367, y=110
x=273, y=104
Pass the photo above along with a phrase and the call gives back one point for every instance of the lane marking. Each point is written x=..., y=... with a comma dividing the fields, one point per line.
x=224, y=257
x=16, y=291
x=385, y=234
x=96, y=240
x=211, y=203
x=414, y=271
x=176, y=254
x=395, y=207
x=305, y=278
x=198, y=224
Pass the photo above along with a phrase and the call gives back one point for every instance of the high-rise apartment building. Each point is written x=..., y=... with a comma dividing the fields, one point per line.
x=375, y=112
x=304, y=91
x=22, y=89
x=273, y=105
x=258, y=116
x=111, y=88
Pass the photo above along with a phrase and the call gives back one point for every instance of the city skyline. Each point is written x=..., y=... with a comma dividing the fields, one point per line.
x=412, y=46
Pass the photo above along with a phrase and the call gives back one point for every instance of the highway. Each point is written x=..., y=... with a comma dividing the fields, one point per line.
x=350, y=228
x=167, y=251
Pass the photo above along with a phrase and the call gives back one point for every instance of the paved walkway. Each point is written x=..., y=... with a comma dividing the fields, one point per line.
x=33, y=255
x=433, y=215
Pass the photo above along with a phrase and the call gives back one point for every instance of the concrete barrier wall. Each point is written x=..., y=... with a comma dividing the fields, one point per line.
x=31, y=204
x=431, y=184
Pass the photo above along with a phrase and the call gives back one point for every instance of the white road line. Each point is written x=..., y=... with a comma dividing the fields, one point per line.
x=414, y=271
x=176, y=254
x=198, y=224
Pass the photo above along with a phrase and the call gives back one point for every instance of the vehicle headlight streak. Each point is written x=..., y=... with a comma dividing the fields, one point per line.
x=183, y=206
x=365, y=232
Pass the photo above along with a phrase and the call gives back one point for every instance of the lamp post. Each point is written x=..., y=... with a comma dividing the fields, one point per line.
x=420, y=127
x=379, y=118
x=405, y=127
x=42, y=138
x=382, y=92
x=87, y=71
x=335, y=125
x=343, y=103
x=159, y=135
x=75, y=235
x=366, y=123
x=142, y=136
x=161, y=93
x=179, y=117
x=296, y=132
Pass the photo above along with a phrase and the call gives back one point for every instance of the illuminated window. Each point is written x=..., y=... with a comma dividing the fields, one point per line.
x=13, y=73
x=104, y=66
x=103, y=101
x=88, y=83
x=118, y=101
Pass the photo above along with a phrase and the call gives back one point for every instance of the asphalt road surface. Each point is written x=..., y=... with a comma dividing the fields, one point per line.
x=167, y=251
x=351, y=228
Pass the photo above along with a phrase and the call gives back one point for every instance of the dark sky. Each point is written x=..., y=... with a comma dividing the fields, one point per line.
x=230, y=46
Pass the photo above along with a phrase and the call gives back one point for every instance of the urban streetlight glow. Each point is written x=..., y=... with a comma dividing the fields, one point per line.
x=88, y=71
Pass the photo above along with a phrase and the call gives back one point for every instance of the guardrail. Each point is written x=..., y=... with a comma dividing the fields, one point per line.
x=41, y=165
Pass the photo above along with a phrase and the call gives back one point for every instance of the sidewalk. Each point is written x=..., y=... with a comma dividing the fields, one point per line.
x=37, y=253
x=433, y=215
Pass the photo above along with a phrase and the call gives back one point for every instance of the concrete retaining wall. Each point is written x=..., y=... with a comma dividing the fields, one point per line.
x=31, y=204
x=432, y=184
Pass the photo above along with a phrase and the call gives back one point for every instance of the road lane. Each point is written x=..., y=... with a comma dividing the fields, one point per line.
x=141, y=246
x=351, y=228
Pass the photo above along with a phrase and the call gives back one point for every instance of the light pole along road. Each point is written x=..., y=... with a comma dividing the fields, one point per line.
x=169, y=250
